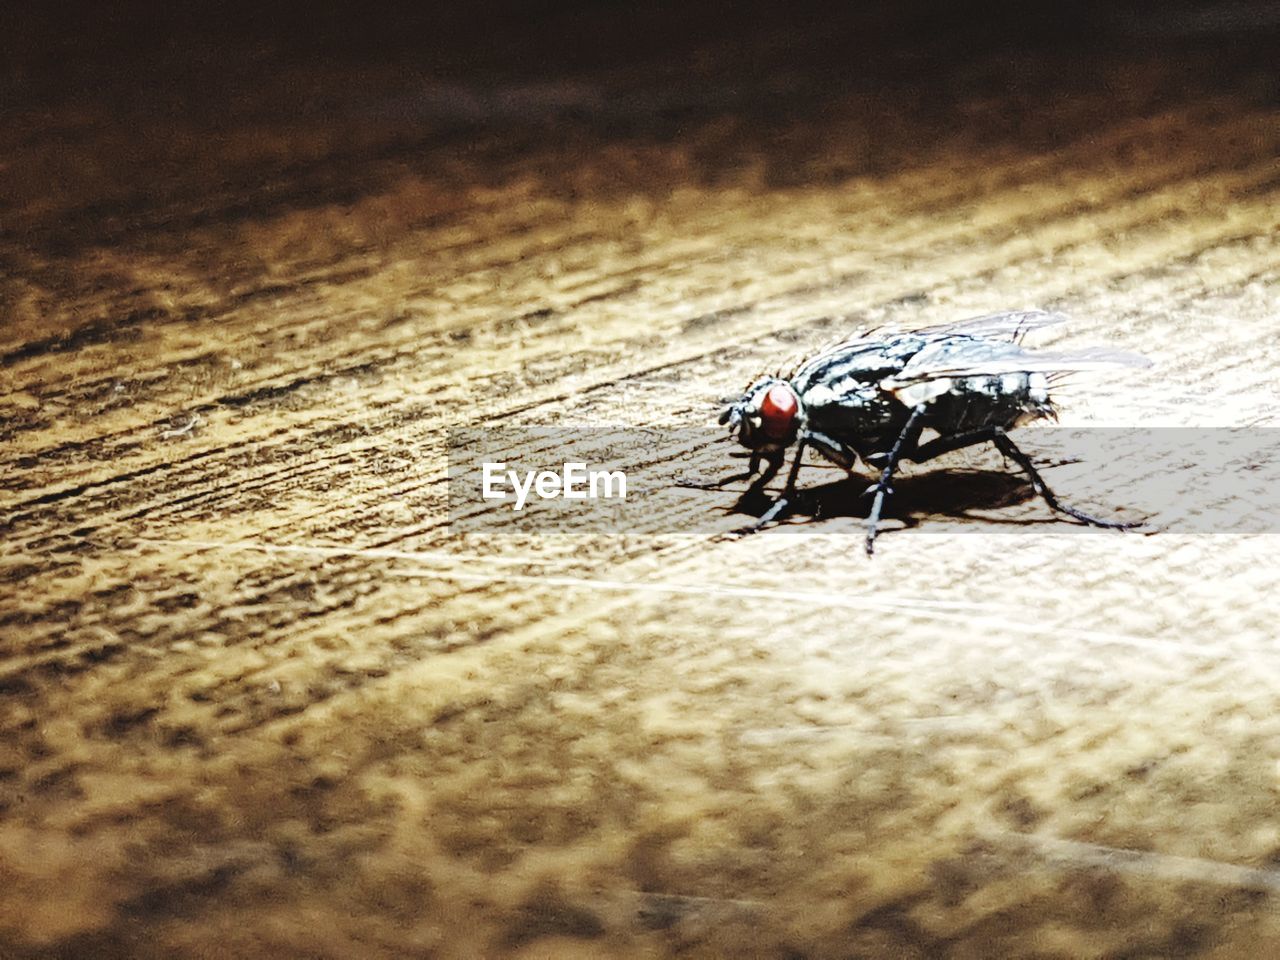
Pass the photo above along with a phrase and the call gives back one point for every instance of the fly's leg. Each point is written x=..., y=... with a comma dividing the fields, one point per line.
x=771, y=467
x=996, y=435
x=881, y=489
x=782, y=504
x=957, y=441
x=1010, y=450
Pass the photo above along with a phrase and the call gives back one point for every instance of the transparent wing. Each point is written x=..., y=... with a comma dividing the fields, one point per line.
x=1010, y=326
x=963, y=356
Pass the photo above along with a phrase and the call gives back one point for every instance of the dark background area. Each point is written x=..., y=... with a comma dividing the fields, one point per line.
x=108, y=108
x=132, y=51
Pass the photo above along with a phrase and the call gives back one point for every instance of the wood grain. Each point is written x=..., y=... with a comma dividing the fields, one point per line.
x=259, y=699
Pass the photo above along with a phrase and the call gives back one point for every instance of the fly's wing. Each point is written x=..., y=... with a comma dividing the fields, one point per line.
x=1010, y=326
x=949, y=358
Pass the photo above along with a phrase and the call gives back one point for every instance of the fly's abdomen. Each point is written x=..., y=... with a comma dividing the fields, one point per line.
x=1003, y=400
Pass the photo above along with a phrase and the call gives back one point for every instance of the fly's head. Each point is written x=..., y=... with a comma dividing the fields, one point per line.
x=766, y=417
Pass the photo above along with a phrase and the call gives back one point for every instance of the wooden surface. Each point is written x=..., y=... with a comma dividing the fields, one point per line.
x=257, y=700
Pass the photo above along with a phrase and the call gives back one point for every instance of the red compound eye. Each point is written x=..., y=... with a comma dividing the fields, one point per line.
x=778, y=412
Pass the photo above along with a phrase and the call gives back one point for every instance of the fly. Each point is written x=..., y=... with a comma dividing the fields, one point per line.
x=870, y=398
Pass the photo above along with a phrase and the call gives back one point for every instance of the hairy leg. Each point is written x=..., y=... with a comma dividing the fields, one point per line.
x=1010, y=450
x=1003, y=443
x=881, y=489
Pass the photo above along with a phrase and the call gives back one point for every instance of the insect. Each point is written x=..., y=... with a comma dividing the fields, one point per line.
x=870, y=398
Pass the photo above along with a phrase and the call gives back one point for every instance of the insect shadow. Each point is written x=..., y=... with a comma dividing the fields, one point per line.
x=954, y=492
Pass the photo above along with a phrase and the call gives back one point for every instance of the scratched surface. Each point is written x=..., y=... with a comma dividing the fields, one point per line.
x=257, y=700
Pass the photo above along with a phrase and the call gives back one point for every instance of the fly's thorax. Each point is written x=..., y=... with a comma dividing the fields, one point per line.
x=841, y=390
x=849, y=410
x=862, y=361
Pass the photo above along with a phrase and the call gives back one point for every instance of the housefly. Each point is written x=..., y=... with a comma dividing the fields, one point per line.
x=870, y=398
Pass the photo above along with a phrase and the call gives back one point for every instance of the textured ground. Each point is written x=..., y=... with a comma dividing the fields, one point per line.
x=255, y=698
